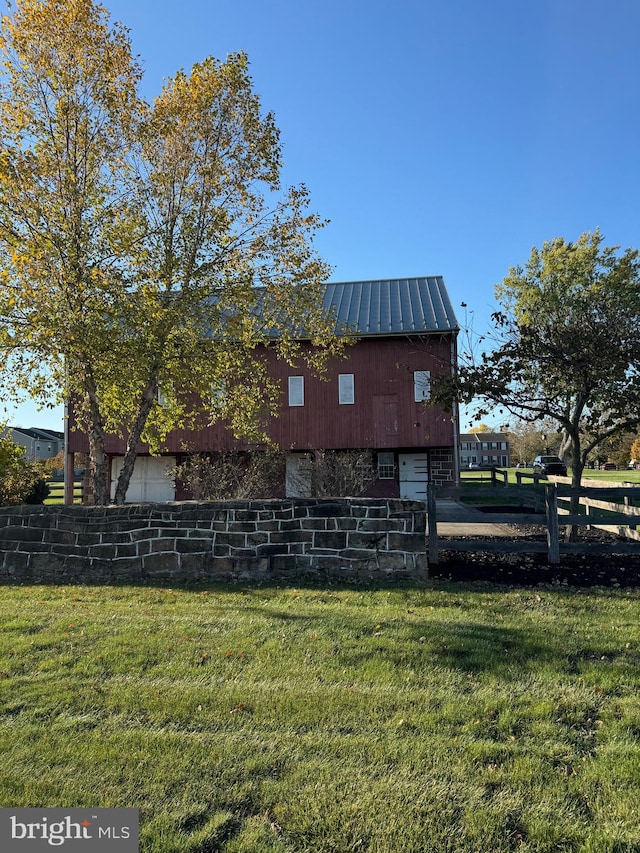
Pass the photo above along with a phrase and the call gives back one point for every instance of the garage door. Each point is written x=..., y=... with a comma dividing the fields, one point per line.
x=414, y=468
x=150, y=480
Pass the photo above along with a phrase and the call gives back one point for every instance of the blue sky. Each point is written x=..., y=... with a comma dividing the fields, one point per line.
x=438, y=138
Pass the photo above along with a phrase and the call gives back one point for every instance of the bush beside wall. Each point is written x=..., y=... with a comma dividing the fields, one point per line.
x=346, y=538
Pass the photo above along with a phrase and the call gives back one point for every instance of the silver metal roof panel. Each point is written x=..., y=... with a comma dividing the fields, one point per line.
x=400, y=306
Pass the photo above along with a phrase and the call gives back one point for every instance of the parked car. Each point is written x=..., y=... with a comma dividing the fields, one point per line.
x=608, y=466
x=545, y=465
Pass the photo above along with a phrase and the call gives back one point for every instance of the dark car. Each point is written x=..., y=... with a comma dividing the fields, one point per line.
x=549, y=465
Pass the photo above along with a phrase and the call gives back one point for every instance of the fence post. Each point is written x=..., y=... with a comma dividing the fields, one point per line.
x=553, y=540
x=432, y=527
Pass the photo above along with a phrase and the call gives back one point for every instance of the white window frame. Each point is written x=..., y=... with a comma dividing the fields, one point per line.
x=386, y=464
x=296, y=391
x=162, y=398
x=421, y=385
x=218, y=395
x=346, y=389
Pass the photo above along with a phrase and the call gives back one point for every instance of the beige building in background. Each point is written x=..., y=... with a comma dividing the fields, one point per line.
x=484, y=448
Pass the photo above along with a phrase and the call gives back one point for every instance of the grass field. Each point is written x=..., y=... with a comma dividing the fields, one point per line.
x=56, y=492
x=417, y=720
x=628, y=476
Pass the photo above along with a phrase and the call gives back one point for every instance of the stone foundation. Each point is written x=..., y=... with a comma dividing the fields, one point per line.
x=441, y=460
x=343, y=539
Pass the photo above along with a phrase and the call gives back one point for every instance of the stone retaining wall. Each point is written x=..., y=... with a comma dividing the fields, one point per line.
x=350, y=539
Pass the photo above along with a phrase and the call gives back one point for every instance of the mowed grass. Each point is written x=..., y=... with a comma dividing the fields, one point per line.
x=477, y=477
x=427, y=719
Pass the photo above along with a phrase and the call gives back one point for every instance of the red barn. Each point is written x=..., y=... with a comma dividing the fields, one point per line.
x=375, y=399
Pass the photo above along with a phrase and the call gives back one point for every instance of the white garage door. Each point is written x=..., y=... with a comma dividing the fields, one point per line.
x=413, y=476
x=150, y=480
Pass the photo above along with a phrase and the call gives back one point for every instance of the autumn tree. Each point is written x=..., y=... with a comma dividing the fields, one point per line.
x=225, y=264
x=149, y=253
x=67, y=110
x=566, y=345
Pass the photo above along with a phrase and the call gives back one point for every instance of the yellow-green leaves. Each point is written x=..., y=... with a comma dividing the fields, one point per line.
x=144, y=250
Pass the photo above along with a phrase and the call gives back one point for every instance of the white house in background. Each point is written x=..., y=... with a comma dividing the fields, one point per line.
x=38, y=443
x=484, y=448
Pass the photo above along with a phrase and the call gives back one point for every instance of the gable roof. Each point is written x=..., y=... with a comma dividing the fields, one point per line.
x=479, y=437
x=401, y=306
x=39, y=434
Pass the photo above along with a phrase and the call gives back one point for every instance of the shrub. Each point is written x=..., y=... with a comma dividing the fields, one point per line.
x=230, y=474
x=342, y=473
x=21, y=481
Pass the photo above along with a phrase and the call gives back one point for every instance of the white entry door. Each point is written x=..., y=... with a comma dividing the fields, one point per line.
x=413, y=476
x=150, y=480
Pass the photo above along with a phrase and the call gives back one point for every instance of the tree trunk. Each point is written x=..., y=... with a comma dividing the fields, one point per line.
x=577, y=467
x=98, y=460
x=124, y=478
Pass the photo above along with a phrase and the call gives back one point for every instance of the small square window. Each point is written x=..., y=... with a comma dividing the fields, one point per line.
x=386, y=465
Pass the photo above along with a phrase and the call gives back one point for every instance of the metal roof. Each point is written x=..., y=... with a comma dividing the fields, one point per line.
x=400, y=306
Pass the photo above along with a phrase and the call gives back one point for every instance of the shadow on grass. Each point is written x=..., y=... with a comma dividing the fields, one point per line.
x=470, y=647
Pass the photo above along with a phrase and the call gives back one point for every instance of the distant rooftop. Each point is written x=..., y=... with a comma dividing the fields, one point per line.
x=401, y=306
x=38, y=433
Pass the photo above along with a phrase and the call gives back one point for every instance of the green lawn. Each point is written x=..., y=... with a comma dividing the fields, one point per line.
x=425, y=719
x=476, y=477
x=56, y=492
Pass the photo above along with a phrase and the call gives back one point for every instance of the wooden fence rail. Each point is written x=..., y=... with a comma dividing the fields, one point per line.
x=609, y=508
x=56, y=491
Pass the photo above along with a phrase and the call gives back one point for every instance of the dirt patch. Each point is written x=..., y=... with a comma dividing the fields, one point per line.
x=506, y=508
x=581, y=570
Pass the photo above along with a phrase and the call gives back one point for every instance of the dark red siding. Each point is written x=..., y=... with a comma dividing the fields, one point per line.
x=384, y=414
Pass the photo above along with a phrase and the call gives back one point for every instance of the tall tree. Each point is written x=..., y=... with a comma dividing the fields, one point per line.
x=566, y=345
x=146, y=252
x=67, y=112
x=225, y=264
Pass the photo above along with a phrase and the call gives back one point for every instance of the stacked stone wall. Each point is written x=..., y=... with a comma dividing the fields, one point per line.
x=350, y=539
x=441, y=460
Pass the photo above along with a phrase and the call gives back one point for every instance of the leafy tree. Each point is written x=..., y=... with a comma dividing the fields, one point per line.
x=68, y=105
x=527, y=440
x=618, y=450
x=21, y=481
x=567, y=345
x=149, y=253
